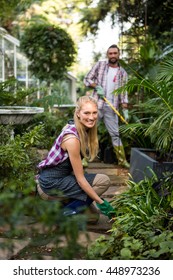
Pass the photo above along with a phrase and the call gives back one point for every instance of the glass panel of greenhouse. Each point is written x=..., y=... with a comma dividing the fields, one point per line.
x=9, y=47
x=14, y=64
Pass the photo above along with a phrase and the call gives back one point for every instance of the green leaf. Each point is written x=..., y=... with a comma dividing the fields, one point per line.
x=125, y=253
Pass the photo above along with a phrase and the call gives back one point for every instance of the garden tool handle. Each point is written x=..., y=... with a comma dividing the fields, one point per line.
x=113, y=108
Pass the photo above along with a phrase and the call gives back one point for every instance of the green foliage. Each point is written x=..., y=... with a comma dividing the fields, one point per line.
x=142, y=206
x=145, y=246
x=13, y=94
x=53, y=124
x=11, y=9
x=18, y=157
x=49, y=49
x=144, y=21
x=93, y=15
x=81, y=89
x=155, y=111
x=38, y=223
x=146, y=60
x=60, y=94
x=5, y=134
x=143, y=226
x=23, y=215
x=134, y=133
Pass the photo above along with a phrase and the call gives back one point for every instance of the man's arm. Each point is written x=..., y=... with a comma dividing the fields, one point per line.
x=90, y=80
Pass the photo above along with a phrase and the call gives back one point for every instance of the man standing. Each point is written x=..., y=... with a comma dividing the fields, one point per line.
x=105, y=77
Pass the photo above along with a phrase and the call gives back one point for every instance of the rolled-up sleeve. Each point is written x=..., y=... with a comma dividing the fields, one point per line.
x=91, y=77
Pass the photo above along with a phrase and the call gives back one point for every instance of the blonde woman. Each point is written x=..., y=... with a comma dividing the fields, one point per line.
x=61, y=173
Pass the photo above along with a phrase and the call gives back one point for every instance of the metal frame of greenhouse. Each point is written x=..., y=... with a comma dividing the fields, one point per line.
x=14, y=64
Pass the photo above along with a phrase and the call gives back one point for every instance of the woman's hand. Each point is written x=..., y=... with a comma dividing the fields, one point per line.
x=106, y=209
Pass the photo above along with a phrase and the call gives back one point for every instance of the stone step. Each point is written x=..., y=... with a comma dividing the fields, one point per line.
x=114, y=191
x=100, y=165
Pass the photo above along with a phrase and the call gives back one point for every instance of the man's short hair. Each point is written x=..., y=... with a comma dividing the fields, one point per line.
x=114, y=46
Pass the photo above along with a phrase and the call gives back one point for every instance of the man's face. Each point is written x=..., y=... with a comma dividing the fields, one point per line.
x=113, y=55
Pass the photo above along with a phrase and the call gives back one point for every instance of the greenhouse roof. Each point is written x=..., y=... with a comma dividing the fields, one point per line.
x=8, y=37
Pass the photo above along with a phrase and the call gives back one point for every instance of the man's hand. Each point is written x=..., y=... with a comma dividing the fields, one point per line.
x=106, y=209
x=100, y=91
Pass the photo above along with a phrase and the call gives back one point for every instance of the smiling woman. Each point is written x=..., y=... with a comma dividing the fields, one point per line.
x=61, y=175
x=88, y=115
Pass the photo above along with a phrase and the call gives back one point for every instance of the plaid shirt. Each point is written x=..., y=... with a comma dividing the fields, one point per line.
x=57, y=155
x=98, y=75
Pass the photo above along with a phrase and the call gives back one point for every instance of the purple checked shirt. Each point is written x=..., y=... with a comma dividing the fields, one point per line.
x=98, y=75
x=57, y=155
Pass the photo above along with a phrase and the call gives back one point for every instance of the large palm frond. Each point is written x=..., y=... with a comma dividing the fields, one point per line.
x=157, y=106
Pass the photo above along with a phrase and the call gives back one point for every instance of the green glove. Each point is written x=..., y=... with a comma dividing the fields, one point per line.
x=84, y=162
x=106, y=209
x=126, y=114
x=100, y=91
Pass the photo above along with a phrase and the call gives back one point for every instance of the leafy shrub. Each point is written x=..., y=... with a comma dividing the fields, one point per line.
x=49, y=49
x=18, y=161
x=23, y=215
x=143, y=226
x=11, y=93
x=53, y=124
x=41, y=224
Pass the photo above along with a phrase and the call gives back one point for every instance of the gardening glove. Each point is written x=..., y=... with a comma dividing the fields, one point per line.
x=126, y=114
x=100, y=91
x=84, y=162
x=106, y=209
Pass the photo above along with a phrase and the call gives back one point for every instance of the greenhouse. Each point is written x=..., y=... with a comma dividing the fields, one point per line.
x=14, y=64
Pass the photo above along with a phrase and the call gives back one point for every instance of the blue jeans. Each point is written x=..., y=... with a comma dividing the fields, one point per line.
x=76, y=206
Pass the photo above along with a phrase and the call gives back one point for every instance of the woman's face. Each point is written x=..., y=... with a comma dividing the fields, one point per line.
x=88, y=114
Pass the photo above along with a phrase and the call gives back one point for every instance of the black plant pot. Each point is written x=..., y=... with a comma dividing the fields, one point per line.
x=143, y=162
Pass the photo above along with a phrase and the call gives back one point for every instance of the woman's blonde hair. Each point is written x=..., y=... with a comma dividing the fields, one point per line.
x=89, y=138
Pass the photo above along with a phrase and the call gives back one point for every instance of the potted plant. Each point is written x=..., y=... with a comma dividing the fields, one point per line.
x=147, y=162
x=154, y=124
